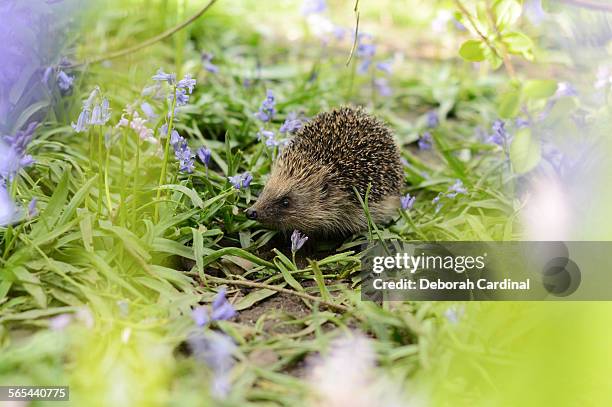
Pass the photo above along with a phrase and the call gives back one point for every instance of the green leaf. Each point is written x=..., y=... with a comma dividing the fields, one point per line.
x=525, y=151
x=193, y=195
x=507, y=12
x=471, y=50
x=509, y=104
x=539, y=89
x=254, y=297
x=320, y=281
x=32, y=285
x=519, y=43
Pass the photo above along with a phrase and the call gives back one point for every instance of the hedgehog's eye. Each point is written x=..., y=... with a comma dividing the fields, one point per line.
x=285, y=202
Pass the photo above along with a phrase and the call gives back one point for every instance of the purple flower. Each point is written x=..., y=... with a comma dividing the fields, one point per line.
x=148, y=110
x=521, y=123
x=200, y=316
x=82, y=123
x=382, y=86
x=60, y=322
x=207, y=62
x=366, y=50
x=216, y=350
x=100, y=114
x=432, y=119
x=241, y=180
x=32, y=208
x=181, y=97
x=204, y=154
x=269, y=136
x=187, y=83
x=456, y=188
x=565, y=89
x=9, y=213
x=221, y=310
x=313, y=7
x=407, y=202
x=425, y=141
x=64, y=81
x=182, y=152
x=385, y=66
x=221, y=307
x=292, y=124
x=364, y=66
x=499, y=135
x=161, y=76
x=267, y=109
x=436, y=201
x=297, y=240
x=13, y=152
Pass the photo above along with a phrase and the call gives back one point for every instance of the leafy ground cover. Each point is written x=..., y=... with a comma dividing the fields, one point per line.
x=136, y=277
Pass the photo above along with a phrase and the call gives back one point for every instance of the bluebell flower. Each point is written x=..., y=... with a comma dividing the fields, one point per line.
x=292, y=124
x=499, y=135
x=565, y=89
x=297, y=240
x=267, y=110
x=456, y=188
x=221, y=310
x=313, y=7
x=100, y=114
x=407, y=202
x=187, y=83
x=363, y=66
x=385, y=66
x=64, y=81
x=182, y=152
x=221, y=307
x=147, y=109
x=382, y=86
x=366, y=50
x=432, y=119
x=436, y=201
x=13, y=152
x=207, y=62
x=268, y=136
x=425, y=141
x=200, y=316
x=32, y=211
x=204, y=154
x=521, y=123
x=182, y=98
x=161, y=76
x=241, y=180
x=9, y=213
x=215, y=350
x=82, y=123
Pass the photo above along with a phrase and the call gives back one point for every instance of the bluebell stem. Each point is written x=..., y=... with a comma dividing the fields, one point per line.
x=297, y=240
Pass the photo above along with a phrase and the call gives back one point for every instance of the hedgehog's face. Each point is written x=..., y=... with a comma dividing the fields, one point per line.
x=294, y=201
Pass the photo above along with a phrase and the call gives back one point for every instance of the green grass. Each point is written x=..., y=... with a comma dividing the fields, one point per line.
x=109, y=235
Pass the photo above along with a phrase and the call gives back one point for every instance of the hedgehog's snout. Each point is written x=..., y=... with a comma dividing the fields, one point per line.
x=251, y=213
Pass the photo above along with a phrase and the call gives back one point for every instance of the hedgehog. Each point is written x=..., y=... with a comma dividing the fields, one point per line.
x=312, y=184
